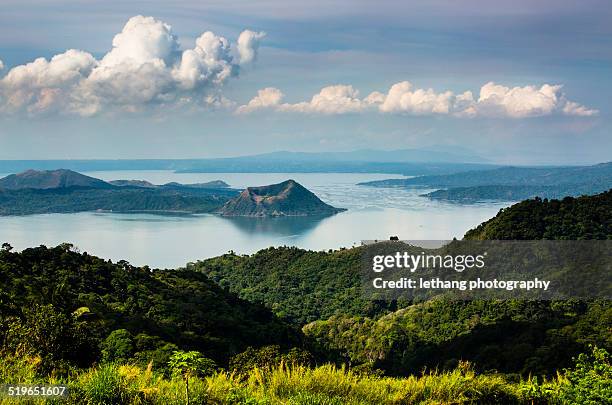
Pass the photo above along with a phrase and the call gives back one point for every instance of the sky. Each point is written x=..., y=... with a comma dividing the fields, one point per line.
x=521, y=82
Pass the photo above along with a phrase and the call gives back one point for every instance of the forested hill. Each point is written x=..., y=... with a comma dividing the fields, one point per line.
x=64, y=305
x=508, y=336
x=298, y=285
x=302, y=286
x=588, y=217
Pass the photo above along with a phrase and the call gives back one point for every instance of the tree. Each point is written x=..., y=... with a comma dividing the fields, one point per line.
x=44, y=331
x=118, y=346
x=191, y=364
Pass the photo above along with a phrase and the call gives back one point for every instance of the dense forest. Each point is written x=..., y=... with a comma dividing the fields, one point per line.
x=287, y=325
x=321, y=291
x=588, y=217
x=68, y=307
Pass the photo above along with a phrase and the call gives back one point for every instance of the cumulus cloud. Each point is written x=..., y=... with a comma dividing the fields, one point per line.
x=269, y=97
x=1, y=65
x=145, y=67
x=518, y=102
x=337, y=99
x=248, y=44
x=403, y=98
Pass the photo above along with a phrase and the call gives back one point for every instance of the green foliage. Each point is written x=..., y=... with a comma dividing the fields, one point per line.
x=506, y=336
x=57, y=338
x=104, y=386
x=567, y=219
x=45, y=289
x=299, y=286
x=118, y=346
x=268, y=357
x=281, y=385
x=191, y=364
x=590, y=381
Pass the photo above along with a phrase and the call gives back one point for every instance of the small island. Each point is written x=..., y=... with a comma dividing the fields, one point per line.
x=286, y=199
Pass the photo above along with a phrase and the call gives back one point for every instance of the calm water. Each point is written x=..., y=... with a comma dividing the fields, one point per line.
x=172, y=241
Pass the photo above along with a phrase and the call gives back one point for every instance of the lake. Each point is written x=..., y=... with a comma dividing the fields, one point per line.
x=168, y=241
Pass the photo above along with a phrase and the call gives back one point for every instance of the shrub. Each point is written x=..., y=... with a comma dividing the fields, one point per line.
x=590, y=381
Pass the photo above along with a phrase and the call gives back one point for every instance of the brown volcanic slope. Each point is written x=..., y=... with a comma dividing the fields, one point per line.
x=47, y=179
x=288, y=198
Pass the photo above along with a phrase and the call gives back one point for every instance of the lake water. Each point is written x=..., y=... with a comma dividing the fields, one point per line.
x=167, y=241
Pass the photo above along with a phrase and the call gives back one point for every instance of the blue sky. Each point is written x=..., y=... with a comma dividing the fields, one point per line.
x=324, y=70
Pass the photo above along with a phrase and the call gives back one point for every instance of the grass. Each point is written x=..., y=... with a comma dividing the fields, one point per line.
x=287, y=385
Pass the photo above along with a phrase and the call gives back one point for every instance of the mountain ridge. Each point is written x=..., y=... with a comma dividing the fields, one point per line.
x=50, y=179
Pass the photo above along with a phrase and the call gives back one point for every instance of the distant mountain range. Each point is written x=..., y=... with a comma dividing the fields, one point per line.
x=411, y=162
x=288, y=198
x=422, y=155
x=511, y=183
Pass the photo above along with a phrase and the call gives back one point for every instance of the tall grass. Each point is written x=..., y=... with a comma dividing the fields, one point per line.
x=292, y=385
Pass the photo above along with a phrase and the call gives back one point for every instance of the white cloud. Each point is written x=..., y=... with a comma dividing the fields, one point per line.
x=145, y=67
x=269, y=97
x=403, y=98
x=248, y=43
x=518, y=102
x=42, y=84
x=572, y=108
x=1, y=65
x=338, y=99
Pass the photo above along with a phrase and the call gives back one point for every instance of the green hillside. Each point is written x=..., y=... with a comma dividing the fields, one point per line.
x=63, y=305
x=570, y=218
x=298, y=285
x=509, y=336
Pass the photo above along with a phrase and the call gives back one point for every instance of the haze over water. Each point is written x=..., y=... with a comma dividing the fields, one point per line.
x=168, y=241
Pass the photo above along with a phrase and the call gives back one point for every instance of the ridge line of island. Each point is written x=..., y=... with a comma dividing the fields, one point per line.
x=66, y=191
